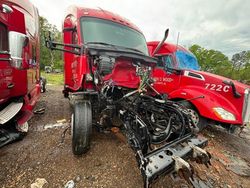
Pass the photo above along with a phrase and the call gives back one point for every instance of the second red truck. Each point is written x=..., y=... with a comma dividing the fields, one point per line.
x=210, y=98
x=19, y=65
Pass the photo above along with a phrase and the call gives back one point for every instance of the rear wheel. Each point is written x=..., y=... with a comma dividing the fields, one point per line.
x=81, y=127
x=198, y=120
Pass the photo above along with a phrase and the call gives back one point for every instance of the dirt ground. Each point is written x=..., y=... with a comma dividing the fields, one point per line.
x=110, y=162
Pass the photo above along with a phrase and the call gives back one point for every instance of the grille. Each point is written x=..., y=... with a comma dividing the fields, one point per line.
x=246, y=107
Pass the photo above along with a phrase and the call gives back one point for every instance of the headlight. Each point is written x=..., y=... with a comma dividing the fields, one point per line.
x=223, y=114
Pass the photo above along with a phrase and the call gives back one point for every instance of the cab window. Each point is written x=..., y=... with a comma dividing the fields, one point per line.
x=168, y=62
x=187, y=60
x=3, y=39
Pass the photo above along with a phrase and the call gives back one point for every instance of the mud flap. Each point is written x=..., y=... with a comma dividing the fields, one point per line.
x=171, y=158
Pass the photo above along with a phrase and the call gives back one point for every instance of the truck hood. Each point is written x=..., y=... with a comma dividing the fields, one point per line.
x=237, y=84
x=219, y=92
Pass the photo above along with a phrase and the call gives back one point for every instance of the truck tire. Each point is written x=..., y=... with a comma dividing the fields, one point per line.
x=198, y=120
x=81, y=127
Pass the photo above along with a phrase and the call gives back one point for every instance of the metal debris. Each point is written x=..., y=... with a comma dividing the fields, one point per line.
x=39, y=111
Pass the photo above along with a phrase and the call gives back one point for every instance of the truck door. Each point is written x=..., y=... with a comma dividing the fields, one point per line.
x=5, y=68
x=71, y=64
x=165, y=75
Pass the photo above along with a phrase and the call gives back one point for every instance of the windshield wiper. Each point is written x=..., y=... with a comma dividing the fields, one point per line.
x=116, y=46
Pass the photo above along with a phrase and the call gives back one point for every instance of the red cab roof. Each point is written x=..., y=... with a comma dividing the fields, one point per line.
x=166, y=47
x=79, y=12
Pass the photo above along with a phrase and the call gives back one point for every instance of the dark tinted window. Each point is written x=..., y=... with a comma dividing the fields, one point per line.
x=3, y=38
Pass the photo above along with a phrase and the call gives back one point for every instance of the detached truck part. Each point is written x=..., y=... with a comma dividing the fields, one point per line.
x=19, y=62
x=107, y=79
x=209, y=97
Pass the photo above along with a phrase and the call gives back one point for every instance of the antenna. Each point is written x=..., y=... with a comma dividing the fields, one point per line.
x=102, y=10
x=177, y=42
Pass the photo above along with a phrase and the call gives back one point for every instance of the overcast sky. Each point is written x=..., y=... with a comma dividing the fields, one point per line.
x=223, y=25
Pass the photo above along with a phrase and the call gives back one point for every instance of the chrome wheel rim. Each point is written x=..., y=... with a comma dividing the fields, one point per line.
x=194, y=116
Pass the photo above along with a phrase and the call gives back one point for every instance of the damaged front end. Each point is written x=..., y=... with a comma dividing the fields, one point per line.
x=161, y=136
x=160, y=132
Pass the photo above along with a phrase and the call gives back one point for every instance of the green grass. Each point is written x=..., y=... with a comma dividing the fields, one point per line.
x=53, y=78
x=248, y=124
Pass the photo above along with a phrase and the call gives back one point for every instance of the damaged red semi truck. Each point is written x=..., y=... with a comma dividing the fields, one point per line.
x=19, y=63
x=210, y=98
x=107, y=71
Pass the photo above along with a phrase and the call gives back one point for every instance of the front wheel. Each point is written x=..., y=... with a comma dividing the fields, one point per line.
x=198, y=120
x=81, y=127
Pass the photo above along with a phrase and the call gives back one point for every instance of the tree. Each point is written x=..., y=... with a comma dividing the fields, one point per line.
x=212, y=60
x=216, y=62
x=49, y=58
x=241, y=66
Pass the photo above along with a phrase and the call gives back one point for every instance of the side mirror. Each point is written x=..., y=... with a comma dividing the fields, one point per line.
x=17, y=41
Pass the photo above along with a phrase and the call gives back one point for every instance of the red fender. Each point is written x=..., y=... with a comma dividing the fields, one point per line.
x=206, y=103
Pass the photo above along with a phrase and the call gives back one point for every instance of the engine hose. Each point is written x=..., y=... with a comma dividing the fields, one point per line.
x=172, y=109
x=180, y=115
x=163, y=135
x=169, y=109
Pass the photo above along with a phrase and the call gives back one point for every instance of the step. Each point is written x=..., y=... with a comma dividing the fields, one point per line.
x=10, y=111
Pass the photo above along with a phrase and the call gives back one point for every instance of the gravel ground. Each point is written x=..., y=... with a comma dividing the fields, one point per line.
x=110, y=162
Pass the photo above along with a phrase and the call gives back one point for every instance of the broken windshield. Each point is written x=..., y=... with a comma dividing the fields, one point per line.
x=186, y=60
x=103, y=31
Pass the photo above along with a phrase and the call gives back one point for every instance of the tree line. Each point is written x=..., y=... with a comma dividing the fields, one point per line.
x=214, y=61
x=48, y=57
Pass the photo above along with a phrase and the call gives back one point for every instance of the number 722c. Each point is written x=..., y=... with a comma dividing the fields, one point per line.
x=215, y=87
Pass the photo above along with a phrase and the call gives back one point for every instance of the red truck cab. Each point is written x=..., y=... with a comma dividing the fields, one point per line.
x=208, y=96
x=19, y=61
x=84, y=25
